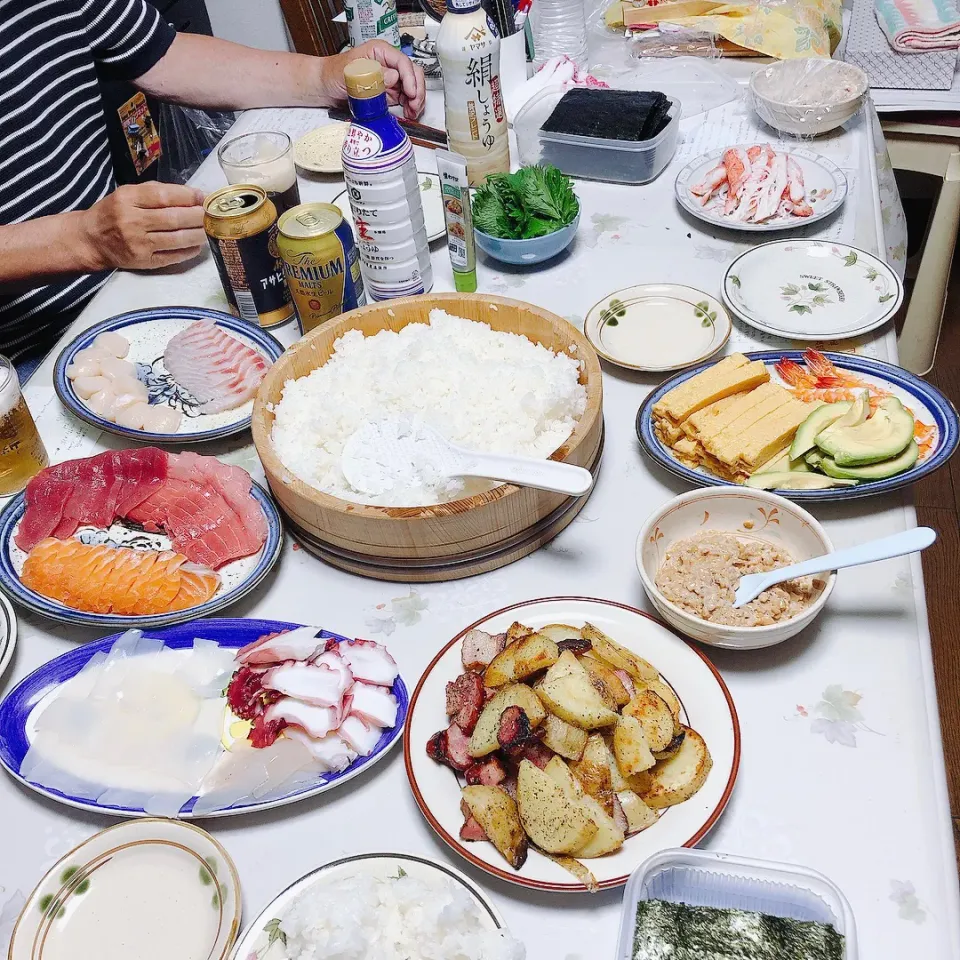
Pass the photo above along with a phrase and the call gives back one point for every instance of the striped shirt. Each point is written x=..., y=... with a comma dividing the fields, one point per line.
x=54, y=152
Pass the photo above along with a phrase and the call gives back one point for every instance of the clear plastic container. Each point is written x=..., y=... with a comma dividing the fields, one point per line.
x=705, y=879
x=559, y=29
x=593, y=158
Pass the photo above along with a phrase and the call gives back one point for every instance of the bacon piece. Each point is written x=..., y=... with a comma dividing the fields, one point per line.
x=510, y=785
x=465, y=697
x=537, y=753
x=479, y=648
x=450, y=747
x=471, y=829
x=515, y=732
x=488, y=772
x=576, y=645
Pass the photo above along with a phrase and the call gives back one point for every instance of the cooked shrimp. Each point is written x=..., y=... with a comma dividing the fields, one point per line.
x=926, y=436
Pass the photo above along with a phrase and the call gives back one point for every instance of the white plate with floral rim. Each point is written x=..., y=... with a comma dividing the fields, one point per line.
x=432, y=206
x=152, y=889
x=706, y=706
x=811, y=290
x=657, y=326
x=266, y=939
x=148, y=332
x=824, y=184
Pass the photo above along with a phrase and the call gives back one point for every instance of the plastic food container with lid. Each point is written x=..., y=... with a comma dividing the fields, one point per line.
x=593, y=158
x=702, y=878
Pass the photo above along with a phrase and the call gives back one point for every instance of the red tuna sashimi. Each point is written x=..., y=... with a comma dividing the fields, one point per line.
x=219, y=370
x=89, y=491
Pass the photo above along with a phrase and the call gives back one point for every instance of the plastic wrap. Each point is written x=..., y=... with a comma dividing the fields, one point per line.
x=188, y=134
x=807, y=97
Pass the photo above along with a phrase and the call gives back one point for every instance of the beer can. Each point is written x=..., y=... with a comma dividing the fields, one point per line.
x=241, y=225
x=320, y=262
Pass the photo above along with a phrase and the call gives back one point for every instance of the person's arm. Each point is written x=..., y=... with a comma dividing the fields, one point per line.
x=207, y=72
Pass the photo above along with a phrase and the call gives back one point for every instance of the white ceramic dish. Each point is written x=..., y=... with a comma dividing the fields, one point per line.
x=331, y=134
x=257, y=942
x=152, y=889
x=707, y=707
x=703, y=878
x=657, y=326
x=808, y=96
x=826, y=189
x=8, y=633
x=754, y=514
x=432, y=207
x=811, y=290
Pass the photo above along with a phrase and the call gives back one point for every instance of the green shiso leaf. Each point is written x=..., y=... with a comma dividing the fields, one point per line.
x=533, y=202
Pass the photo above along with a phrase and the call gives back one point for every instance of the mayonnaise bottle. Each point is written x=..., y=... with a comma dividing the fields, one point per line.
x=469, y=52
x=384, y=191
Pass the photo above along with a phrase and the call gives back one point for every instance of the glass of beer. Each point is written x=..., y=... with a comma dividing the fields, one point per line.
x=264, y=158
x=22, y=454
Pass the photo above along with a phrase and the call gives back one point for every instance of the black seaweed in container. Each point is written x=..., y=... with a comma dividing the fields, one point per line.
x=631, y=115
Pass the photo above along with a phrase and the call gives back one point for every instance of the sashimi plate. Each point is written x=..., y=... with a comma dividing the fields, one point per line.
x=20, y=709
x=929, y=406
x=824, y=182
x=433, y=216
x=706, y=705
x=149, y=331
x=237, y=578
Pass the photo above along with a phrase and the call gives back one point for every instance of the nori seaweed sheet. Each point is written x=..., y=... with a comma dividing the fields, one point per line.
x=633, y=115
x=679, y=931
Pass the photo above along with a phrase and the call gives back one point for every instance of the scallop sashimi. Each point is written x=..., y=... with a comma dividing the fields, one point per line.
x=219, y=370
x=104, y=579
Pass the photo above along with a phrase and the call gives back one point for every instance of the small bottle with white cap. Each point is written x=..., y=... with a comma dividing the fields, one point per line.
x=384, y=190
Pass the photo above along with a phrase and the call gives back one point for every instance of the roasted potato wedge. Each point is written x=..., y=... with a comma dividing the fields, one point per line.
x=563, y=738
x=517, y=631
x=651, y=710
x=558, y=771
x=678, y=778
x=501, y=668
x=495, y=810
x=550, y=818
x=571, y=695
x=483, y=740
x=630, y=747
x=574, y=866
x=664, y=690
x=619, y=657
x=639, y=815
x=609, y=836
x=592, y=770
x=521, y=659
x=559, y=632
x=611, y=685
x=671, y=748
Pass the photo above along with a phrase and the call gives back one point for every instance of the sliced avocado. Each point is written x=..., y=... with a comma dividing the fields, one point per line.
x=874, y=471
x=817, y=422
x=884, y=435
x=813, y=458
x=795, y=481
x=782, y=463
x=858, y=412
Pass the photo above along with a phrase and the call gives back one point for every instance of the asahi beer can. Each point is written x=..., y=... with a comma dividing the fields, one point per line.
x=372, y=20
x=320, y=262
x=241, y=225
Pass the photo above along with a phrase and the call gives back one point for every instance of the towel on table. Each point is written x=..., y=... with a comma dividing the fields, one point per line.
x=913, y=26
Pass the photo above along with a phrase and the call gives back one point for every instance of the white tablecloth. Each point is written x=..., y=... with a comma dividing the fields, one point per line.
x=842, y=766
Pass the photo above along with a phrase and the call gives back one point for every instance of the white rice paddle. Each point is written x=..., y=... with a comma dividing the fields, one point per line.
x=385, y=454
x=910, y=541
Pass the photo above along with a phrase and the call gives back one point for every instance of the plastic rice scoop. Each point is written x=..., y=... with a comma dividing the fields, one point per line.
x=395, y=454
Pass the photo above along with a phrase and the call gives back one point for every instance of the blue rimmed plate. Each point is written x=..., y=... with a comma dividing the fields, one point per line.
x=17, y=707
x=237, y=578
x=928, y=404
x=149, y=331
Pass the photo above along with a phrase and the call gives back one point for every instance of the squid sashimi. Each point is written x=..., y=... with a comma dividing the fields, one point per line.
x=331, y=752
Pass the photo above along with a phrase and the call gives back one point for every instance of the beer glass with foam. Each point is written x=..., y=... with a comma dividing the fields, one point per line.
x=264, y=158
x=22, y=454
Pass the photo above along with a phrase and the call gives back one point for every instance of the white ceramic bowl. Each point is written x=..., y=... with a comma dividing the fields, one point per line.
x=747, y=513
x=801, y=96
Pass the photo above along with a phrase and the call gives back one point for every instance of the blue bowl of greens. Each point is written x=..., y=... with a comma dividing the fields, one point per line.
x=525, y=217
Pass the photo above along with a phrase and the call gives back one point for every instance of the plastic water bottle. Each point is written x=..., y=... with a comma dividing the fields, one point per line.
x=559, y=27
x=380, y=171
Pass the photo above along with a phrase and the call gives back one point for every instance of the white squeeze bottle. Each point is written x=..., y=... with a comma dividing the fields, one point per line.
x=384, y=190
x=469, y=51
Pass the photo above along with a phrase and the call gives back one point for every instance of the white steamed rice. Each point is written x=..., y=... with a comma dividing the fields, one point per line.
x=365, y=918
x=482, y=389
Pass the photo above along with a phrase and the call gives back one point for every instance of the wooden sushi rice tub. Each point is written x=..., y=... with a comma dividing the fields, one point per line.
x=448, y=540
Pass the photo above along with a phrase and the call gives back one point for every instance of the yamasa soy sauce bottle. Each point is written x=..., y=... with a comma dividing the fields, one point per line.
x=469, y=53
x=384, y=190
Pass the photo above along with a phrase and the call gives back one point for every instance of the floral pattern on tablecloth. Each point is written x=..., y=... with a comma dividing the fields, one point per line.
x=891, y=209
x=403, y=611
x=904, y=895
x=836, y=716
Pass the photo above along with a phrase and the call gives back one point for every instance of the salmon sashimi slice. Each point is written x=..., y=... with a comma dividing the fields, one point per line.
x=106, y=579
x=219, y=370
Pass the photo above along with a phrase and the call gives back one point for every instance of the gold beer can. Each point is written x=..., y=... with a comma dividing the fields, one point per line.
x=22, y=453
x=241, y=225
x=321, y=263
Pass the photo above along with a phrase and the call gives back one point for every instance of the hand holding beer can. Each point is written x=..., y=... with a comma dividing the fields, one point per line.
x=22, y=453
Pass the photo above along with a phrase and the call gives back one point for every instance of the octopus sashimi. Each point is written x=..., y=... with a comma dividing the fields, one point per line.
x=369, y=662
x=317, y=684
x=374, y=704
x=315, y=721
x=299, y=644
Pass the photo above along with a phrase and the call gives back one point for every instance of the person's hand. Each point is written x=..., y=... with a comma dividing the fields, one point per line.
x=143, y=226
x=402, y=78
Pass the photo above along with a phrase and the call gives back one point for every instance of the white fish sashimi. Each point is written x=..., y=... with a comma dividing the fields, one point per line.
x=374, y=704
x=112, y=343
x=300, y=644
x=219, y=370
x=369, y=662
x=331, y=751
x=316, y=721
x=360, y=735
x=318, y=684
